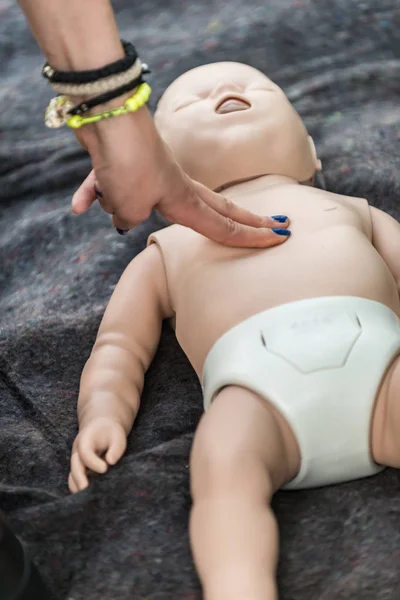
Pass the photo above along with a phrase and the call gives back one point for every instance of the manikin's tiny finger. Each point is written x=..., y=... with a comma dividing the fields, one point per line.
x=85, y=195
x=90, y=459
x=71, y=484
x=78, y=472
x=117, y=448
x=73, y=488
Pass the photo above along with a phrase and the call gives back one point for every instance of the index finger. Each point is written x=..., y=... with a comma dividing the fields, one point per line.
x=199, y=216
x=228, y=208
x=78, y=479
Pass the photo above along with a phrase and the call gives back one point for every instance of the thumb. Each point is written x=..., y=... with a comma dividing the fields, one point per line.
x=117, y=446
x=85, y=195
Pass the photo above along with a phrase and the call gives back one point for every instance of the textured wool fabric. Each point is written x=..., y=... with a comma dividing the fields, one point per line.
x=126, y=536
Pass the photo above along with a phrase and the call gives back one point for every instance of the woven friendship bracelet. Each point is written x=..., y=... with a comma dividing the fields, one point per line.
x=89, y=76
x=101, y=85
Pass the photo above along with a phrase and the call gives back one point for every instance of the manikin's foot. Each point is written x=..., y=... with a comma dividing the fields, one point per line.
x=238, y=461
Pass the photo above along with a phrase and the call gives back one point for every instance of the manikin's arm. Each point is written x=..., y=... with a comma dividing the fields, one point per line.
x=386, y=240
x=113, y=377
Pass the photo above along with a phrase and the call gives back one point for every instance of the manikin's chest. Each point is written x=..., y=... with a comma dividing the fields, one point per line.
x=324, y=231
x=212, y=286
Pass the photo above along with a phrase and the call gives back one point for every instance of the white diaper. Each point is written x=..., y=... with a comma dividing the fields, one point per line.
x=320, y=362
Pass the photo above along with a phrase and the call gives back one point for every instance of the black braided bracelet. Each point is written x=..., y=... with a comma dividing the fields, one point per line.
x=115, y=68
x=86, y=105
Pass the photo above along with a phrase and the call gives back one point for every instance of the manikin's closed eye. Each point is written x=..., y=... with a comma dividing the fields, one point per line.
x=231, y=102
x=228, y=104
x=225, y=90
x=187, y=102
x=236, y=100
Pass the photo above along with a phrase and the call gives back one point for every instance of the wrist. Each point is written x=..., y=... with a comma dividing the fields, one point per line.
x=104, y=405
x=119, y=134
x=104, y=106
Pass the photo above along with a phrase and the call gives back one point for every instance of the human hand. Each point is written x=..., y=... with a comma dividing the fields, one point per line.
x=98, y=445
x=135, y=173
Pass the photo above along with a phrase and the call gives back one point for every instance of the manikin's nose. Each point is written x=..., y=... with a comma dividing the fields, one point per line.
x=223, y=89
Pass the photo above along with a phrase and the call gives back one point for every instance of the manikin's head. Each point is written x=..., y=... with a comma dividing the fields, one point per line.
x=227, y=122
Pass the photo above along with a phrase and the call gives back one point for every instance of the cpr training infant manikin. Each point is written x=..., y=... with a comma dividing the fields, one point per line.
x=296, y=345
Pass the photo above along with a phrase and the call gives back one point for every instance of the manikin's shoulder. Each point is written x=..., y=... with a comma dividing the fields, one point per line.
x=178, y=246
x=360, y=206
x=354, y=203
x=175, y=237
x=351, y=201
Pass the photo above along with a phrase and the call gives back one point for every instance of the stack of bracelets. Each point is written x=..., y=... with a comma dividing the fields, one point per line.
x=97, y=87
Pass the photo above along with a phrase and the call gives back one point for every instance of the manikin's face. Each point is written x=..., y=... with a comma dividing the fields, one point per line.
x=227, y=122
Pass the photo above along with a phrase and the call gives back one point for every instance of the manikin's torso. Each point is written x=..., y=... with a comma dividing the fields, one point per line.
x=225, y=123
x=213, y=288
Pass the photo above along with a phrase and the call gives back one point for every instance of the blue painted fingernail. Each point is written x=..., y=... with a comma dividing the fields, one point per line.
x=280, y=218
x=122, y=231
x=282, y=231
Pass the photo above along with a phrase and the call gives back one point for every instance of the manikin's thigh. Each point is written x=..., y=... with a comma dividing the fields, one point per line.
x=239, y=429
x=386, y=418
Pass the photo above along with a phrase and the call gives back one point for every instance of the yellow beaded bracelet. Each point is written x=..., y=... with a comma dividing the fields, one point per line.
x=57, y=111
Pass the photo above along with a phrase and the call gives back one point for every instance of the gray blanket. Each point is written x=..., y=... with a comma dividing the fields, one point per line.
x=126, y=536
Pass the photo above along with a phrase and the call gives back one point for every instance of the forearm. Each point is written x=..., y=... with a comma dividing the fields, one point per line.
x=113, y=377
x=77, y=35
x=111, y=382
x=74, y=34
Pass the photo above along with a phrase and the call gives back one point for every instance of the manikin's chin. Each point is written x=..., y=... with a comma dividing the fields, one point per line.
x=310, y=182
x=230, y=184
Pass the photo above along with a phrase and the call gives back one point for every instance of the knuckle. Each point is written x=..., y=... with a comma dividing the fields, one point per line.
x=171, y=216
x=143, y=214
x=230, y=207
x=169, y=209
x=107, y=206
x=232, y=228
x=128, y=216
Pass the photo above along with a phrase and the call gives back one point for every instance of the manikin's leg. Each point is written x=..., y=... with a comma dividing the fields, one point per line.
x=385, y=430
x=239, y=459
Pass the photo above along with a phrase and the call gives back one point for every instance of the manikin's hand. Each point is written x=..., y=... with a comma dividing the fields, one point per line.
x=98, y=445
x=135, y=173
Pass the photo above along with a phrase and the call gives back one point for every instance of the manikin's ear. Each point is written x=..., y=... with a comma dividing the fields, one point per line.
x=318, y=164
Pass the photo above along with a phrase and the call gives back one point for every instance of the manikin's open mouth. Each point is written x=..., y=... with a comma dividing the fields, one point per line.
x=232, y=104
